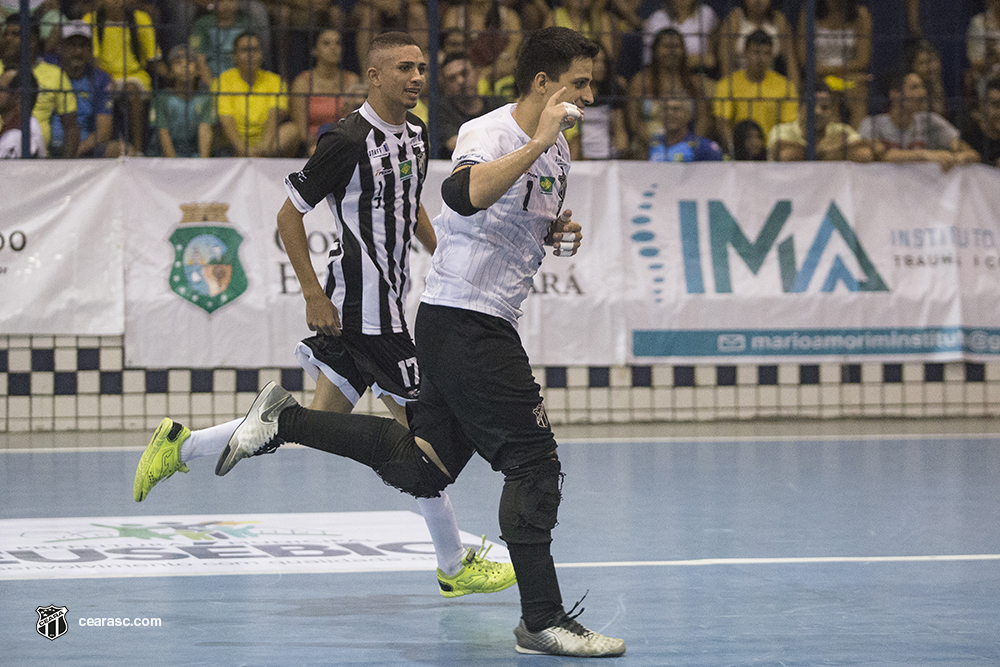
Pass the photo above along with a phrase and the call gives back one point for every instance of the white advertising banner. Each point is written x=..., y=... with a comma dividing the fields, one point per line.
x=60, y=248
x=689, y=263
x=812, y=262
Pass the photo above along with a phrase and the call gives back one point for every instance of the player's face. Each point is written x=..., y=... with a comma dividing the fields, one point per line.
x=576, y=80
x=401, y=75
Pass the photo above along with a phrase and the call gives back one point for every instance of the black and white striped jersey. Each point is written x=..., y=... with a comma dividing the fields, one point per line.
x=371, y=174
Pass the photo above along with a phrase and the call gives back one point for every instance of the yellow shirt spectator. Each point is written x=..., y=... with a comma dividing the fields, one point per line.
x=113, y=49
x=55, y=95
x=248, y=106
x=771, y=101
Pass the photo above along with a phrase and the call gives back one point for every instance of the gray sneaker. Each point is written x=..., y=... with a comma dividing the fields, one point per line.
x=258, y=432
x=567, y=637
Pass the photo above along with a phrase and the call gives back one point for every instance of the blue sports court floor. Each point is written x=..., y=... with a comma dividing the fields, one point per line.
x=829, y=543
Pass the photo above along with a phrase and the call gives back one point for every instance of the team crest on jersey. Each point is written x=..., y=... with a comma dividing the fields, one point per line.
x=406, y=170
x=546, y=183
x=206, y=270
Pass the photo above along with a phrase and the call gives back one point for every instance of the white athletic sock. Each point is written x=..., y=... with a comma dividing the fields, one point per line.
x=208, y=441
x=439, y=516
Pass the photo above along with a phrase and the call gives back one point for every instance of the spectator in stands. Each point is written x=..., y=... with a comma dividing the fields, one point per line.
x=923, y=59
x=667, y=73
x=55, y=92
x=125, y=47
x=602, y=134
x=180, y=16
x=696, y=22
x=252, y=105
x=450, y=41
x=679, y=143
x=983, y=29
x=834, y=140
x=756, y=92
x=371, y=17
x=93, y=89
x=213, y=35
x=318, y=93
x=182, y=114
x=843, y=49
x=10, y=116
x=492, y=36
x=460, y=101
x=982, y=132
x=748, y=142
x=910, y=133
x=588, y=17
x=749, y=16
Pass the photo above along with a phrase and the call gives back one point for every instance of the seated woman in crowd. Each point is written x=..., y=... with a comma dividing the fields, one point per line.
x=754, y=15
x=696, y=22
x=667, y=72
x=602, y=134
x=843, y=49
x=834, y=140
x=318, y=94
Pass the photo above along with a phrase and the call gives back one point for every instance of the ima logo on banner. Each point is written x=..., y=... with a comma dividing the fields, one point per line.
x=52, y=621
x=206, y=270
x=725, y=233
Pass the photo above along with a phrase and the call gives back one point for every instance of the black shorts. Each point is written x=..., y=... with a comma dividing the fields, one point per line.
x=477, y=392
x=353, y=362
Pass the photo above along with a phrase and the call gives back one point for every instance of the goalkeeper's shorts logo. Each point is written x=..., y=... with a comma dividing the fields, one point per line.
x=206, y=270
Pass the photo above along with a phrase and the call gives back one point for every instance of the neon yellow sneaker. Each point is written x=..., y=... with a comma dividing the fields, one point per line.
x=477, y=575
x=161, y=459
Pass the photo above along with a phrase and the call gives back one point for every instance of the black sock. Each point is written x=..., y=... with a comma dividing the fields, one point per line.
x=537, y=582
x=358, y=437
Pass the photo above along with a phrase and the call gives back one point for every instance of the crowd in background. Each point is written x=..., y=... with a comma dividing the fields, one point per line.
x=675, y=80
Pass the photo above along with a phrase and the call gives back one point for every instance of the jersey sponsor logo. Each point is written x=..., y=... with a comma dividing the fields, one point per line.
x=381, y=151
x=406, y=170
x=541, y=418
x=546, y=184
x=385, y=171
x=206, y=270
x=416, y=142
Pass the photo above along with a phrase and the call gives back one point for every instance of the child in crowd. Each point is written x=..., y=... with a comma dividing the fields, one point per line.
x=182, y=115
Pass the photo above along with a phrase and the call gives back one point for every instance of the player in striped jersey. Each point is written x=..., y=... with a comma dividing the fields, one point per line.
x=477, y=392
x=370, y=170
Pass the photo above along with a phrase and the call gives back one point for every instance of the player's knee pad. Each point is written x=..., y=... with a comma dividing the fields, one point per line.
x=529, y=504
x=408, y=469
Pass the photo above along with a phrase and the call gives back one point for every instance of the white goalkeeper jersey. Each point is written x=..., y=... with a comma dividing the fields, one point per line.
x=486, y=262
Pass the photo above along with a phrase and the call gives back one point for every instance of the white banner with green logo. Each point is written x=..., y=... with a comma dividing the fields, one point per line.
x=717, y=263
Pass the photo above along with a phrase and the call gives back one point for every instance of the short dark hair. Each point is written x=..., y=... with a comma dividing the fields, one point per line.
x=32, y=84
x=897, y=79
x=244, y=35
x=389, y=40
x=452, y=57
x=34, y=29
x=550, y=50
x=760, y=38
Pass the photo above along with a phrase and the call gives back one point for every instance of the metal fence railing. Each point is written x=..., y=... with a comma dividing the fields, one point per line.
x=675, y=79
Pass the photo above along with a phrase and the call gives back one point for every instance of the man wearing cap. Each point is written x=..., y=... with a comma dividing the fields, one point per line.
x=92, y=87
x=55, y=95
